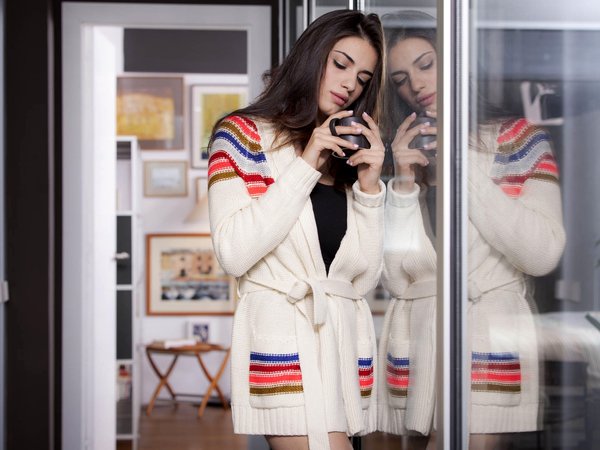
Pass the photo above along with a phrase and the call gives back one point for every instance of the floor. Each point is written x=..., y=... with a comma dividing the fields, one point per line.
x=177, y=428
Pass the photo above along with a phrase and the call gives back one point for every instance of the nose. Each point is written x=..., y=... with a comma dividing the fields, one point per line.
x=417, y=83
x=349, y=83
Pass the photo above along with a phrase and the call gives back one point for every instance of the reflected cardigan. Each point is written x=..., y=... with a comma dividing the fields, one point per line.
x=515, y=229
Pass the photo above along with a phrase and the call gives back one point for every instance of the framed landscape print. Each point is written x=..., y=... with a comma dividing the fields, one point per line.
x=209, y=104
x=165, y=178
x=151, y=108
x=185, y=278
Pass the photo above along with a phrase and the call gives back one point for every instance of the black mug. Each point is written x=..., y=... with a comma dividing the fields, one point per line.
x=420, y=140
x=359, y=139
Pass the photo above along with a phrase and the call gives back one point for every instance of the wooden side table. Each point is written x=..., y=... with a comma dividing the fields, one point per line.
x=194, y=350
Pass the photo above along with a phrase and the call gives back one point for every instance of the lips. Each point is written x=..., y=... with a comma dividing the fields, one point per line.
x=339, y=99
x=426, y=100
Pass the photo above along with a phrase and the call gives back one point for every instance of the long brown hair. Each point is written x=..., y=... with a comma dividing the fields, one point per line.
x=290, y=99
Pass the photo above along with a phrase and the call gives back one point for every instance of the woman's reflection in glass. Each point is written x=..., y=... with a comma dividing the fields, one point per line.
x=514, y=231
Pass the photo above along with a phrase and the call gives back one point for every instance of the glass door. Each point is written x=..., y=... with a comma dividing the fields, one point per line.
x=508, y=224
x=534, y=296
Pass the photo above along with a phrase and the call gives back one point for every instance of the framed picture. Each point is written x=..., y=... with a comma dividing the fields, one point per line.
x=379, y=299
x=200, y=331
x=209, y=104
x=165, y=178
x=151, y=108
x=185, y=278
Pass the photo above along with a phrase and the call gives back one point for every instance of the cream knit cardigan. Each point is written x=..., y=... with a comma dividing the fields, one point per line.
x=303, y=348
x=515, y=228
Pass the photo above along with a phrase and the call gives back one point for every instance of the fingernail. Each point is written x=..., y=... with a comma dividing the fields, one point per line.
x=425, y=147
x=414, y=114
x=359, y=130
x=365, y=114
x=355, y=145
x=349, y=162
x=350, y=111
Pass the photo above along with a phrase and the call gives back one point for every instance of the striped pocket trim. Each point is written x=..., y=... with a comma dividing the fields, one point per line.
x=365, y=376
x=496, y=372
x=275, y=373
x=397, y=372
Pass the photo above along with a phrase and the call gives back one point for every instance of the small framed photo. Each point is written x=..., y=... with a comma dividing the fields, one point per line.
x=200, y=331
x=165, y=178
x=185, y=278
x=151, y=108
x=209, y=104
x=379, y=299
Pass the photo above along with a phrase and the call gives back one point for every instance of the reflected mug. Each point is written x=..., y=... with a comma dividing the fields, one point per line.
x=420, y=140
x=359, y=139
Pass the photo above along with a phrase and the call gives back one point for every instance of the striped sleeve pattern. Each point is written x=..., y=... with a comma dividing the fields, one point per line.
x=236, y=152
x=273, y=374
x=397, y=376
x=524, y=152
x=495, y=372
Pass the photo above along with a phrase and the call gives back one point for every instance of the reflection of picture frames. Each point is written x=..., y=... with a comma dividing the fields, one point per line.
x=209, y=104
x=151, y=108
x=165, y=178
x=185, y=278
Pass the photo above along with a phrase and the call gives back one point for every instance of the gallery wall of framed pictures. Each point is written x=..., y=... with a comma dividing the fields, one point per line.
x=172, y=116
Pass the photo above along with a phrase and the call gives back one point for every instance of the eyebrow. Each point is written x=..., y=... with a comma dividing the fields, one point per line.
x=416, y=61
x=353, y=62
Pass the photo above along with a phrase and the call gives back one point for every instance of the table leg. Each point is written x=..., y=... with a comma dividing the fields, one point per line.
x=213, y=383
x=163, y=382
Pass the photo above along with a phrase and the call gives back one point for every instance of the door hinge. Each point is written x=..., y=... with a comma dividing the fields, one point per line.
x=4, y=291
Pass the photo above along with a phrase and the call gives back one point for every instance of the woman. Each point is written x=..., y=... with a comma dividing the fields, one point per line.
x=514, y=230
x=302, y=232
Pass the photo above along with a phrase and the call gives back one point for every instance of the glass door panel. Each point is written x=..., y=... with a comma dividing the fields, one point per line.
x=407, y=329
x=534, y=225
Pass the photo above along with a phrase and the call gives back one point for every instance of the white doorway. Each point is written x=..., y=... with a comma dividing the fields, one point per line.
x=91, y=62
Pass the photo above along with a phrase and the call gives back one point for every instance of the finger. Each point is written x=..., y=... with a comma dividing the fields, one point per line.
x=428, y=130
x=355, y=129
x=366, y=156
x=370, y=122
x=432, y=114
x=407, y=123
x=430, y=146
x=338, y=115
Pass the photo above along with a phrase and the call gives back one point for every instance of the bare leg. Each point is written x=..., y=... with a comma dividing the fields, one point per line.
x=431, y=442
x=337, y=441
x=485, y=442
x=476, y=442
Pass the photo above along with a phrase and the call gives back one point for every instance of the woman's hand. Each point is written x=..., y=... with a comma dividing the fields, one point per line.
x=369, y=161
x=322, y=139
x=404, y=157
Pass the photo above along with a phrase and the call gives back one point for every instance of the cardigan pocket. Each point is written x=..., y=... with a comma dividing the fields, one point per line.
x=496, y=378
x=397, y=372
x=495, y=359
x=275, y=376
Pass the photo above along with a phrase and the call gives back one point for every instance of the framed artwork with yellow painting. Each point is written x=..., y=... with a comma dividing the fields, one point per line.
x=209, y=104
x=151, y=108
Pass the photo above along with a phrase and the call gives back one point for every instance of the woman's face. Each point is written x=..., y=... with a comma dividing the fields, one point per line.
x=348, y=69
x=412, y=66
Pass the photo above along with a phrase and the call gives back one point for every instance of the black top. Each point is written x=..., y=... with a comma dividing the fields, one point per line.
x=330, y=209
